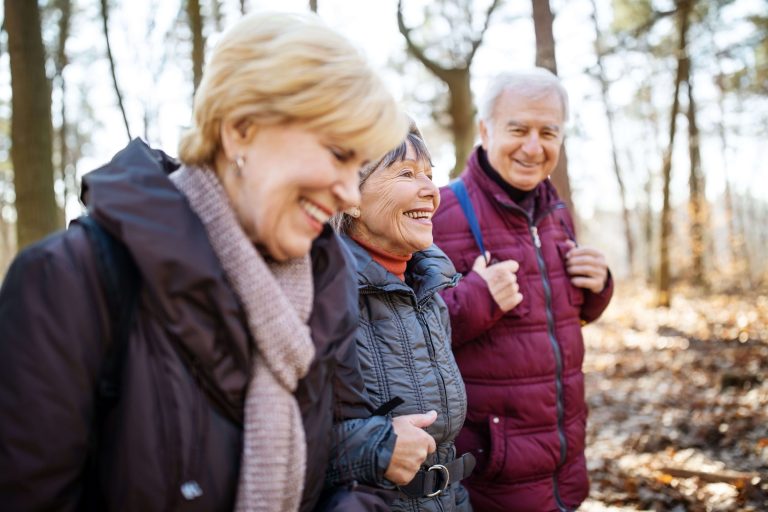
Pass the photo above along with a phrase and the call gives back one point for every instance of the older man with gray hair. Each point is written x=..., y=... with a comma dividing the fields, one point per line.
x=528, y=287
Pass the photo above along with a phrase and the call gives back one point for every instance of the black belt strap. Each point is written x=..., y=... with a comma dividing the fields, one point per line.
x=432, y=481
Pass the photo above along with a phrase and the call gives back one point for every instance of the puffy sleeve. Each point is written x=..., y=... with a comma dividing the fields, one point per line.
x=52, y=320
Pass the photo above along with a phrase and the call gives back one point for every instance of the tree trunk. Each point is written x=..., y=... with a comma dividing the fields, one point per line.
x=313, y=5
x=735, y=239
x=31, y=127
x=697, y=203
x=461, y=108
x=105, y=26
x=545, y=58
x=242, y=7
x=198, y=42
x=462, y=111
x=65, y=172
x=664, y=299
x=609, y=115
x=216, y=14
x=650, y=269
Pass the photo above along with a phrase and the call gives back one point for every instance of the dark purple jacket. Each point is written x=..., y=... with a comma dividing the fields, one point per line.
x=187, y=365
x=522, y=370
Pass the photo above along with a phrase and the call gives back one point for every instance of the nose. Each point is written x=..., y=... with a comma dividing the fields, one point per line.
x=347, y=191
x=429, y=189
x=532, y=145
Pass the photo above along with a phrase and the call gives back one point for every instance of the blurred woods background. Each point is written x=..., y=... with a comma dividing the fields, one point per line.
x=666, y=169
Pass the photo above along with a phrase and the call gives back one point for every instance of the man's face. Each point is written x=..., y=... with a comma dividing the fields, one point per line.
x=524, y=137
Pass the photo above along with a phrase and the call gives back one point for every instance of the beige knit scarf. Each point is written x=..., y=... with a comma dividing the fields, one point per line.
x=277, y=298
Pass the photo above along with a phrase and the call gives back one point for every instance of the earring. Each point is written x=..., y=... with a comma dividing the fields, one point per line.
x=353, y=212
x=238, y=165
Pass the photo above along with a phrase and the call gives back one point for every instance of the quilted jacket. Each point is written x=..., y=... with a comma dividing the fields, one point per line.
x=522, y=370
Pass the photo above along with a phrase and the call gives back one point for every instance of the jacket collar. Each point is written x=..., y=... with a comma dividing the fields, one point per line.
x=546, y=197
x=428, y=272
x=183, y=284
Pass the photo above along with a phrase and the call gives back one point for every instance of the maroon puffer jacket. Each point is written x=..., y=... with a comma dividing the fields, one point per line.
x=522, y=370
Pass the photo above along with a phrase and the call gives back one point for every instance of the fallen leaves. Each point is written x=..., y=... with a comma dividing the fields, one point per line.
x=678, y=403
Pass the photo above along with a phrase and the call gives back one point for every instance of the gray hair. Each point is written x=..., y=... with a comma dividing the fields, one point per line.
x=342, y=222
x=534, y=83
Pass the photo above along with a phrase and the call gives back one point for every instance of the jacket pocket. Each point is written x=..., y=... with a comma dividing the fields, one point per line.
x=497, y=449
x=488, y=447
x=575, y=294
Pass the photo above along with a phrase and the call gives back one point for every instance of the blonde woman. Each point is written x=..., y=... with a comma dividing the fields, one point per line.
x=239, y=342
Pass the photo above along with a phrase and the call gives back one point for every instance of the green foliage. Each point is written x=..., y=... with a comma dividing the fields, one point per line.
x=629, y=15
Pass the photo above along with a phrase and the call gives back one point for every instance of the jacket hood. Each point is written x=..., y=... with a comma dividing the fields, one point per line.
x=427, y=272
x=182, y=280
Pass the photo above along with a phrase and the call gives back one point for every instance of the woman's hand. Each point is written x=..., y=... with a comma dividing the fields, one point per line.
x=412, y=446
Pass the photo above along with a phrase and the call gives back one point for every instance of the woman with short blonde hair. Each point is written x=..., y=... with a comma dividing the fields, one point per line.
x=239, y=345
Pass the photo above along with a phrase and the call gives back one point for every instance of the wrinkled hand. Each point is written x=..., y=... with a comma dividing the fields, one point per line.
x=501, y=279
x=587, y=267
x=412, y=446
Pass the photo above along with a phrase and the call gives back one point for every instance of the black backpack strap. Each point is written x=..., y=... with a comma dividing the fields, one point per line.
x=120, y=279
x=465, y=202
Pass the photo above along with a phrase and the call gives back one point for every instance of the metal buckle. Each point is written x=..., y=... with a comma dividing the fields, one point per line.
x=447, y=480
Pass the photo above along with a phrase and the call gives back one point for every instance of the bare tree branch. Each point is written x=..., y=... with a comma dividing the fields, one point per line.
x=478, y=41
x=105, y=24
x=415, y=50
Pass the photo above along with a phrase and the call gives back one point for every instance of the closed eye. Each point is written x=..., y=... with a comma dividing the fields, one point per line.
x=342, y=155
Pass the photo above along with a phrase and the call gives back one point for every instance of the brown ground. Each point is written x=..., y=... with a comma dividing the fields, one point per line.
x=678, y=404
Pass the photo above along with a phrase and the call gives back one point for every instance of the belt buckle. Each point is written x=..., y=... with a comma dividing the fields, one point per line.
x=447, y=480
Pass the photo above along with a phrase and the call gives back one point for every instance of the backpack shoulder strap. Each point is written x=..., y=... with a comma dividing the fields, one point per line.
x=460, y=189
x=120, y=279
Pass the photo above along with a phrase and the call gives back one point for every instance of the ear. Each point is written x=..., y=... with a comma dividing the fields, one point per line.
x=235, y=137
x=483, y=134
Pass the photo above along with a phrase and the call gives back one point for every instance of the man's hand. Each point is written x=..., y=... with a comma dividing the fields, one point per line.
x=412, y=446
x=501, y=279
x=586, y=267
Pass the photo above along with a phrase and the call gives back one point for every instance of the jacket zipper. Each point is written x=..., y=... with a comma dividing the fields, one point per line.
x=371, y=289
x=534, y=231
x=435, y=367
x=556, y=351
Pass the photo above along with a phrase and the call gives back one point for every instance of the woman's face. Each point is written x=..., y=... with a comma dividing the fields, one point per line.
x=291, y=182
x=397, y=204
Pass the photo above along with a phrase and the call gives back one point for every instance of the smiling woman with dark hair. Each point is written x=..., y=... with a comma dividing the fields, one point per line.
x=403, y=340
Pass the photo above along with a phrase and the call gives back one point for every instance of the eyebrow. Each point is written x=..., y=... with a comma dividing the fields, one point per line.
x=513, y=123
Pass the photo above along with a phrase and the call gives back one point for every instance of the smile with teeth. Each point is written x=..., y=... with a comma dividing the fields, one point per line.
x=416, y=214
x=527, y=164
x=314, y=211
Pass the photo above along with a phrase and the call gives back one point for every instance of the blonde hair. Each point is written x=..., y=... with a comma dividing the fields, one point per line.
x=279, y=69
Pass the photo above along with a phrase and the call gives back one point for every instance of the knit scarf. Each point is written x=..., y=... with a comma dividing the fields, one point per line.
x=277, y=298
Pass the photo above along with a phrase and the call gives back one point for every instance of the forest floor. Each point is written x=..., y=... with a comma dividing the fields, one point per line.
x=678, y=403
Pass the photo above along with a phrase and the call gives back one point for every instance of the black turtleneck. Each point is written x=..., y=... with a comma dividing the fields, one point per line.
x=523, y=198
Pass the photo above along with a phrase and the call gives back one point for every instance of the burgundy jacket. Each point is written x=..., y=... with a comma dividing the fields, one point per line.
x=525, y=387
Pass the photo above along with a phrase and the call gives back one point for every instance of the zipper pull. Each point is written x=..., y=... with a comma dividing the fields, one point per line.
x=536, y=239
